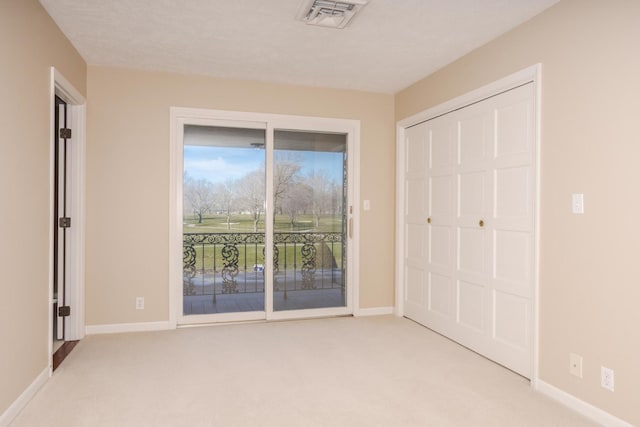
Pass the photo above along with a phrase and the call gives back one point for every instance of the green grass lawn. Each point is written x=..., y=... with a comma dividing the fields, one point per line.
x=244, y=224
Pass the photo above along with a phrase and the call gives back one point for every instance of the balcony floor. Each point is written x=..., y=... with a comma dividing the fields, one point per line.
x=241, y=302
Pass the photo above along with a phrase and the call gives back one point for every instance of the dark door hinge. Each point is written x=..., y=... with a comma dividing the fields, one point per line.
x=64, y=311
x=64, y=222
x=65, y=133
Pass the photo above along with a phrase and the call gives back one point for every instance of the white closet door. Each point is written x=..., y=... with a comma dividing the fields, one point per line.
x=441, y=292
x=415, y=226
x=473, y=198
x=472, y=278
x=512, y=229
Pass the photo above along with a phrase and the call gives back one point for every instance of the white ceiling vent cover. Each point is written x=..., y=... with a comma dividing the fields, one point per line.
x=331, y=14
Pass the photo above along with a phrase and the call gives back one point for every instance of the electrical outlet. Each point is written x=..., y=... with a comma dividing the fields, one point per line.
x=606, y=378
x=575, y=365
x=139, y=303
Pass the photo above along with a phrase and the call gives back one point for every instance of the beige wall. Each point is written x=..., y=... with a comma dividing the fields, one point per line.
x=589, y=277
x=30, y=43
x=128, y=180
x=589, y=266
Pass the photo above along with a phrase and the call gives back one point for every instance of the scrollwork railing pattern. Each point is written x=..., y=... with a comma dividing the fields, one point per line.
x=230, y=256
x=308, y=265
x=188, y=269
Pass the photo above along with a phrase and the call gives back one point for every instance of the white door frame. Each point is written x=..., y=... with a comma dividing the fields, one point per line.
x=181, y=116
x=529, y=75
x=76, y=119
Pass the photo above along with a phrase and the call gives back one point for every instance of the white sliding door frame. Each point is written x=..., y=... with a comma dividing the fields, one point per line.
x=269, y=122
x=529, y=75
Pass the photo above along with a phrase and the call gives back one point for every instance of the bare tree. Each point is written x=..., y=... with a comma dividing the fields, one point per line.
x=198, y=196
x=295, y=200
x=226, y=199
x=321, y=189
x=285, y=169
x=251, y=190
x=337, y=198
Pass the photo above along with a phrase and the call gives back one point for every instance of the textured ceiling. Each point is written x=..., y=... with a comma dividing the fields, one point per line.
x=387, y=47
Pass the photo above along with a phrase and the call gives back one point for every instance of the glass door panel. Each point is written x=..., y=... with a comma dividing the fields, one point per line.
x=310, y=220
x=223, y=220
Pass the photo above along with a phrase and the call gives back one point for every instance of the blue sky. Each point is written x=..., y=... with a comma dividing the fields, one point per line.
x=218, y=164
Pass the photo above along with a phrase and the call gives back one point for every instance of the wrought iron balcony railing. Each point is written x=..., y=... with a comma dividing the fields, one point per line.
x=230, y=263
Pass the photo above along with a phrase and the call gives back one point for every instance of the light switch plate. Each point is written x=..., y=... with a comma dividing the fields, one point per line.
x=575, y=365
x=577, y=203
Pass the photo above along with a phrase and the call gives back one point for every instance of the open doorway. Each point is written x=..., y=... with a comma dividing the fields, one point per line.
x=66, y=308
x=61, y=222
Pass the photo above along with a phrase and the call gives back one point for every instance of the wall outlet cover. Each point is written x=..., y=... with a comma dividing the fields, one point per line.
x=606, y=378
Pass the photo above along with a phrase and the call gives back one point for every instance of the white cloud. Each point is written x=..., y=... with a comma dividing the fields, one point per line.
x=216, y=169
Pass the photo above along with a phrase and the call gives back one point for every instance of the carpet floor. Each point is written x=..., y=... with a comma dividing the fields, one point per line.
x=369, y=371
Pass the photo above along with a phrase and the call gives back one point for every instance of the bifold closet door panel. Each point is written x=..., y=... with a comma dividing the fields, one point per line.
x=512, y=231
x=469, y=226
x=415, y=225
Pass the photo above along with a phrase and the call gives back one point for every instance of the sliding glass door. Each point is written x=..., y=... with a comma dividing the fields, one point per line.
x=265, y=218
x=309, y=199
x=223, y=220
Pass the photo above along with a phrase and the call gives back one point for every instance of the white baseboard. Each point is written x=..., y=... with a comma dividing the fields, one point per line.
x=12, y=411
x=375, y=311
x=117, y=328
x=592, y=412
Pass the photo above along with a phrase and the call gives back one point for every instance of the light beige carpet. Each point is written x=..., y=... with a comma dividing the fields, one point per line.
x=377, y=371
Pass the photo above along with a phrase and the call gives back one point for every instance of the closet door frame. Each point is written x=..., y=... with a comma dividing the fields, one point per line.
x=529, y=75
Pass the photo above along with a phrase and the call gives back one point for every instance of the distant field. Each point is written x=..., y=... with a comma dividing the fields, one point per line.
x=243, y=223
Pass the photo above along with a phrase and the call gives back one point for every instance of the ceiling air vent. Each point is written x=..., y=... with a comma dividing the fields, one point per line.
x=332, y=14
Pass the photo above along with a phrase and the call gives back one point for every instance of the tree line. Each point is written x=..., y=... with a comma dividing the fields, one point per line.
x=295, y=193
